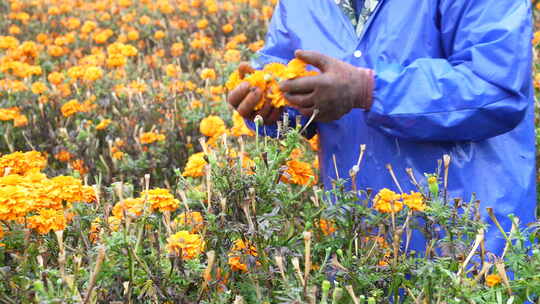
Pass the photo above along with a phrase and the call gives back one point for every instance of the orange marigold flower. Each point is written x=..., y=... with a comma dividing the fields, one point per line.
x=22, y=162
x=299, y=173
x=132, y=207
x=227, y=28
x=195, y=165
x=493, y=280
x=240, y=254
x=186, y=245
x=47, y=220
x=387, y=201
x=208, y=74
x=151, y=137
x=63, y=156
x=212, y=126
x=71, y=107
x=415, y=201
x=193, y=220
x=160, y=199
x=38, y=88
x=327, y=227
x=55, y=78
x=239, y=127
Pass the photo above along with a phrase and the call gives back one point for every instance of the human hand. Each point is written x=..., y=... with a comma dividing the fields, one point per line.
x=339, y=88
x=244, y=99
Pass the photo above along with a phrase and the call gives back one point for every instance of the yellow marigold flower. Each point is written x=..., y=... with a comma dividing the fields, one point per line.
x=239, y=127
x=327, y=227
x=103, y=124
x=158, y=35
x=232, y=56
x=132, y=207
x=208, y=74
x=240, y=252
x=9, y=113
x=118, y=155
x=195, y=165
x=202, y=24
x=186, y=245
x=133, y=35
x=415, y=201
x=114, y=223
x=47, y=220
x=92, y=74
x=95, y=229
x=71, y=190
x=14, y=202
x=227, y=28
x=493, y=280
x=299, y=173
x=212, y=126
x=177, y=49
x=55, y=78
x=71, y=107
x=22, y=162
x=79, y=166
x=387, y=201
x=193, y=220
x=151, y=137
x=38, y=88
x=160, y=199
x=8, y=42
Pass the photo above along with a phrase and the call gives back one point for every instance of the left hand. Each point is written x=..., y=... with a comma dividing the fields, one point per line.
x=339, y=88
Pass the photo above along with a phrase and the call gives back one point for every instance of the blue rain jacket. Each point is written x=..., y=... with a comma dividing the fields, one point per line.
x=452, y=77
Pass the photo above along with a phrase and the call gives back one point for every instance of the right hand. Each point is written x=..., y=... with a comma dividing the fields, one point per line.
x=244, y=99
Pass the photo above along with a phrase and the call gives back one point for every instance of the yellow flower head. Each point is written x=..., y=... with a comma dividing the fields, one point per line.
x=493, y=280
x=160, y=199
x=415, y=201
x=299, y=173
x=241, y=250
x=195, y=165
x=186, y=245
x=193, y=220
x=387, y=201
x=212, y=126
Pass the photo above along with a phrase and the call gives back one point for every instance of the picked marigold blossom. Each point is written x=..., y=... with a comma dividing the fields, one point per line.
x=387, y=201
x=299, y=173
x=415, y=201
x=268, y=79
x=241, y=251
x=212, y=126
x=239, y=127
x=193, y=220
x=195, y=165
x=186, y=245
x=160, y=199
x=151, y=137
x=493, y=280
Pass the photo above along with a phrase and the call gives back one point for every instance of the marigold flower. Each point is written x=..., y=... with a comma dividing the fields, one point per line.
x=38, y=88
x=493, y=280
x=327, y=227
x=71, y=107
x=22, y=163
x=208, y=74
x=151, y=137
x=103, y=124
x=241, y=251
x=212, y=126
x=160, y=199
x=193, y=220
x=239, y=127
x=195, y=165
x=299, y=173
x=132, y=207
x=415, y=201
x=387, y=201
x=186, y=245
x=63, y=156
x=47, y=220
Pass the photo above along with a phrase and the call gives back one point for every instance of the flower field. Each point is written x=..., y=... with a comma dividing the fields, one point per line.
x=126, y=178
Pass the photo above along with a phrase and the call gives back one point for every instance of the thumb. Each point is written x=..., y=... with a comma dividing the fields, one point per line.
x=316, y=59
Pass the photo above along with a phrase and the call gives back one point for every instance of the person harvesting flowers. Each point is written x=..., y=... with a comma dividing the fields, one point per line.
x=412, y=80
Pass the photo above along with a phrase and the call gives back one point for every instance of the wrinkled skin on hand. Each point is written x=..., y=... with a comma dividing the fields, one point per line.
x=339, y=88
x=244, y=98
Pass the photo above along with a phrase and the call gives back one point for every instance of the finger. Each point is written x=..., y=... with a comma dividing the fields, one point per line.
x=246, y=108
x=300, y=100
x=302, y=85
x=245, y=68
x=316, y=59
x=237, y=95
x=306, y=111
x=266, y=109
